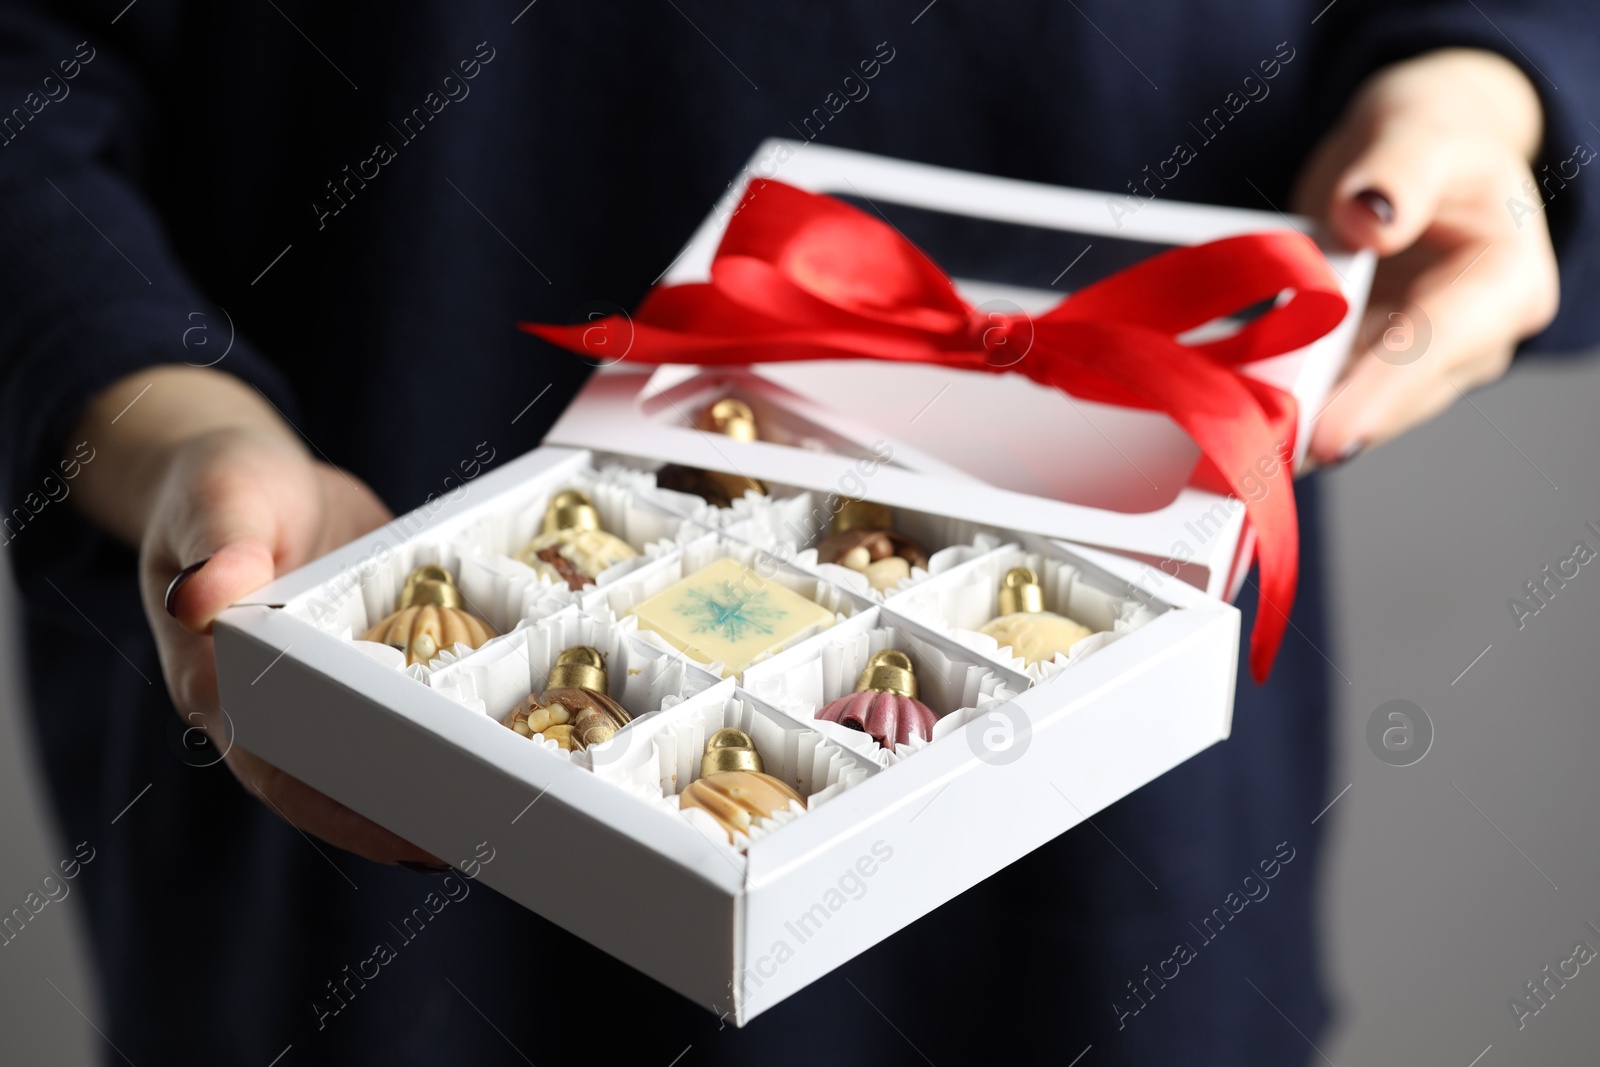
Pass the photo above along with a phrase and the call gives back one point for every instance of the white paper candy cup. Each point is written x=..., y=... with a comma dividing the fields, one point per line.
x=665, y=757
x=963, y=599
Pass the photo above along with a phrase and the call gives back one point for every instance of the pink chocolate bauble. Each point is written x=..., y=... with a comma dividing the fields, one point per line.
x=891, y=719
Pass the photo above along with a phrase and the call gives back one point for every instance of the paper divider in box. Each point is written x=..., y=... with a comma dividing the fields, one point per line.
x=781, y=508
x=956, y=683
x=961, y=600
x=619, y=598
x=643, y=674
x=661, y=757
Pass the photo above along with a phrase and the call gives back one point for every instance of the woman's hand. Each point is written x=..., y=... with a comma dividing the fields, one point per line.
x=1423, y=168
x=212, y=486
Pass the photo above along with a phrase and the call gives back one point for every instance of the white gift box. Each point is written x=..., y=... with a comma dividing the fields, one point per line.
x=595, y=841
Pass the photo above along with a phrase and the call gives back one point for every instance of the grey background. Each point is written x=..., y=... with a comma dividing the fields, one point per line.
x=1448, y=884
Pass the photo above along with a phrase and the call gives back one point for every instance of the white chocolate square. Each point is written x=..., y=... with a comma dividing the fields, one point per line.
x=728, y=613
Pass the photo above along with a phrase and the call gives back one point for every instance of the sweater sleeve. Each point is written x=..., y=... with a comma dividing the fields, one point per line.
x=92, y=290
x=1555, y=43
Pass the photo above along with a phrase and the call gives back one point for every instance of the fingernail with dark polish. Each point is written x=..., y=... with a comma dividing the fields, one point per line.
x=1378, y=204
x=425, y=868
x=180, y=581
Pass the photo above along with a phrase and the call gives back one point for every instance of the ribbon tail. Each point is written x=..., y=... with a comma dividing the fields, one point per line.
x=1234, y=458
x=1239, y=425
x=1278, y=555
x=1277, y=551
x=1279, y=577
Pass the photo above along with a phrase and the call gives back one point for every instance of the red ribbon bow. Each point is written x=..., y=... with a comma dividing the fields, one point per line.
x=805, y=276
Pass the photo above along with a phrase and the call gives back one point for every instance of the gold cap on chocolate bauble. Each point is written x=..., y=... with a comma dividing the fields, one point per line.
x=730, y=417
x=429, y=584
x=730, y=750
x=1020, y=591
x=861, y=515
x=570, y=509
x=579, y=667
x=888, y=672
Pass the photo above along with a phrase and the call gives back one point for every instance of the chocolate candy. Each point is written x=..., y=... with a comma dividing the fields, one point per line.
x=728, y=613
x=862, y=537
x=574, y=711
x=732, y=418
x=571, y=547
x=732, y=788
x=429, y=618
x=1032, y=633
x=884, y=704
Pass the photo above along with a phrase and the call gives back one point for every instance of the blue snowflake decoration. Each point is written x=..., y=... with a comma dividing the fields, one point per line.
x=731, y=614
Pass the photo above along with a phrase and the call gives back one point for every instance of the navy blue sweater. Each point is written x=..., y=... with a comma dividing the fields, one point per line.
x=362, y=199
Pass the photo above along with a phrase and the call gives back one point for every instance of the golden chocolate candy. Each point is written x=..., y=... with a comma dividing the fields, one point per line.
x=571, y=546
x=731, y=418
x=574, y=711
x=429, y=618
x=862, y=538
x=732, y=788
x=1032, y=633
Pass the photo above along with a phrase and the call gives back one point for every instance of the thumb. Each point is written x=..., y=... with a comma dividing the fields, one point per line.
x=225, y=527
x=198, y=593
x=1389, y=191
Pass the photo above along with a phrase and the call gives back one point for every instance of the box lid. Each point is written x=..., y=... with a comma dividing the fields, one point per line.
x=996, y=449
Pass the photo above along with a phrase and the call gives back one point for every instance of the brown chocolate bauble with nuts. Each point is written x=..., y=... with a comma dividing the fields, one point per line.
x=574, y=710
x=862, y=537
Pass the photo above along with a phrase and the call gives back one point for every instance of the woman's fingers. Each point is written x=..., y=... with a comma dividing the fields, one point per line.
x=1454, y=326
x=1411, y=136
x=248, y=507
x=229, y=571
x=1389, y=191
x=206, y=472
x=1390, y=185
x=1379, y=400
x=1420, y=170
x=232, y=509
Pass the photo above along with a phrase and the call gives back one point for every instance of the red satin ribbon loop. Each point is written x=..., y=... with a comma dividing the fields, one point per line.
x=801, y=276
